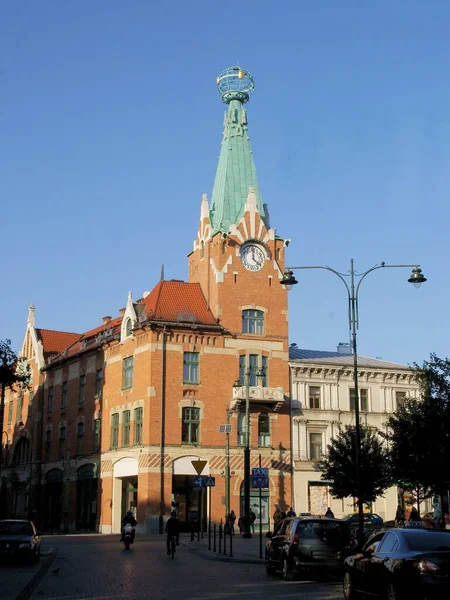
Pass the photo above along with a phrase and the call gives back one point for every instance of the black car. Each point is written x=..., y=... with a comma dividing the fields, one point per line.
x=19, y=539
x=400, y=563
x=299, y=544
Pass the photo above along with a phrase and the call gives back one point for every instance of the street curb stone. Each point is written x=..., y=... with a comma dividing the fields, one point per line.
x=215, y=556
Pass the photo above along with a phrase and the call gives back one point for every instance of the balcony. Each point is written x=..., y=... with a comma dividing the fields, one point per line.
x=273, y=397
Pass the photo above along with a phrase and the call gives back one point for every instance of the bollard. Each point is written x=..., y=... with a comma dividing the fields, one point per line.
x=198, y=531
x=209, y=535
x=220, y=537
x=225, y=542
x=214, y=547
x=231, y=545
x=192, y=531
x=202, y=526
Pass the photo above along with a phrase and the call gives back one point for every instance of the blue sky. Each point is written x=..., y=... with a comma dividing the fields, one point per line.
x=110, y=128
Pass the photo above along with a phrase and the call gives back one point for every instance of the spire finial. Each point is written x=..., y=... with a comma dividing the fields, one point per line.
x=235, y=83
x=30, y=319
x=162, y=273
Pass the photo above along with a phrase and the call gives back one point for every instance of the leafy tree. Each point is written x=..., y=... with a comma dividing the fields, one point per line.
x=338, y=465
x=13, y=370
x=419, y=433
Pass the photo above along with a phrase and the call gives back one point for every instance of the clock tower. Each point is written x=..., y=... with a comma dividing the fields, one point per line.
x=237, y=258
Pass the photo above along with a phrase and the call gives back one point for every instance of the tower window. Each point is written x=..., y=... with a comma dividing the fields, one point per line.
x=263, y=430
x=64, y=395
x=128, y=328
x=127, y=375
x=363, y=399
x=114, y=431
x=126, y=428
x=315, y=446
x=97, y=425
x=253, y=322
x=314, y=397
x=50, y=400
x=80, y=435
x=190, y=367
x=138, y=426
x=241, y=429
x=190, y=433
x=256, y=367
x=82, y=396
x=98, y=383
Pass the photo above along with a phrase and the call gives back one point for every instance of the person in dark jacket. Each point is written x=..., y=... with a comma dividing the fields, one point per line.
x=128, y=518
x=329, y=514
x=172, y=529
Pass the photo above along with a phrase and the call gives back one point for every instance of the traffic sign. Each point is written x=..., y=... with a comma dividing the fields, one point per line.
x=204, y=481
x=260, y=477
x=225, y=428
x=210, y=482
x=198, y=481
x=260, y=472
x=199, y=465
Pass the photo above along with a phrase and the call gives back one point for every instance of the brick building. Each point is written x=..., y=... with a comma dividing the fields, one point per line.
x=116, y=415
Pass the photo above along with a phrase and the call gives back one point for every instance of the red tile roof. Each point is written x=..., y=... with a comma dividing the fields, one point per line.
x=55, y=342
x=113, y=323
x=178, y=301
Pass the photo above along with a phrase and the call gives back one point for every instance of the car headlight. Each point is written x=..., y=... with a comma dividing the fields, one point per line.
x=24, y=545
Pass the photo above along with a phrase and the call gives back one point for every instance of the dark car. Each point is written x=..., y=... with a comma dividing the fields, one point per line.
x=19, y=539
x=400, y=563
x=370, y=519
x=299, y=544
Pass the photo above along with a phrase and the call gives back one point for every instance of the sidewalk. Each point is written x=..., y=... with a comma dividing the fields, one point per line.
x=243, y=550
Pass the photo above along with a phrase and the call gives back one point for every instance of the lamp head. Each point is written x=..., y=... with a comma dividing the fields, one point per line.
x=417, y=277
x=288, y=280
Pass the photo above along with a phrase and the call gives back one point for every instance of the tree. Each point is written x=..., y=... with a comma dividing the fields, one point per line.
x=338, y=465
x=419, y=432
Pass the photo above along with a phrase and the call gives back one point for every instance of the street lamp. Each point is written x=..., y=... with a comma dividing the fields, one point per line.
x=416, y=278
x=256, y=373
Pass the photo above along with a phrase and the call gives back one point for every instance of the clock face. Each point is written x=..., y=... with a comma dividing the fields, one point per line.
x=252, y=257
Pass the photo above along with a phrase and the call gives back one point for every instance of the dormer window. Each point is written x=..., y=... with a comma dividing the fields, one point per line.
x=128, y=328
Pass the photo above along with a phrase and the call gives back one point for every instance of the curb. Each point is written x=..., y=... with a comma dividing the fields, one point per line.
x=215, y=556
x=37, y=577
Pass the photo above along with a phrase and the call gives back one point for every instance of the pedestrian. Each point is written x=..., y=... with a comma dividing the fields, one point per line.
x=400, y=516
x=291, y=512
x=277, y=515
x=414, y=517
x=230, y=521
x=241, y=523
x=252, y=520
x=437, y=513
x=329, y=514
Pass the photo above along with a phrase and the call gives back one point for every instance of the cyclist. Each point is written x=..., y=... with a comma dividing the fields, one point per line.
x=172, y=529
x=129, y=518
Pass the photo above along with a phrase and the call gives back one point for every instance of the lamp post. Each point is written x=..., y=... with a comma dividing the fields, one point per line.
x=416, y=278
x=248, y=373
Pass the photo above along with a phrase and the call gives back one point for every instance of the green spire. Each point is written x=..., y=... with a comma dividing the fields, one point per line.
x=236, y=171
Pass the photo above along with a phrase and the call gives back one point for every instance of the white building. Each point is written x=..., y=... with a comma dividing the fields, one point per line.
x=322, y=392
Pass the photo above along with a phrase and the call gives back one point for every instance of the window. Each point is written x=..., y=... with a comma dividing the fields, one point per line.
x=30, y=404
x=191, y=426
x=400, y=398
x=257, y=367
x=115, y=431
x=127, y=377
x=82, y=395
x=50, y=400
x=389, y=544
x=253, y=322
x=126, y=428
x=48, y=444
x=138, y=426
x=80, y=435
x=97, y=439
x=190, y=367
x=128, y=328
x=64, y=395
x=241, y=429
x=22, y=453
x=61, y=442
x=98, y=383
x=315, y=446
x=363, y=399
x=10, y=410
x=314, y=397
x=263, y=430
x=19, y=407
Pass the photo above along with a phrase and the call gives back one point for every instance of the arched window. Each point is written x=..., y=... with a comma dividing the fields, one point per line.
x=253, y=322
x=22, y=452
x=263, y=430
x=241, y=429
x=128, y=328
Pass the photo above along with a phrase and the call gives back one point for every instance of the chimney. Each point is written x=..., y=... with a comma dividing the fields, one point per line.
x=121, y=312
x=344, y=348
x=106, y=320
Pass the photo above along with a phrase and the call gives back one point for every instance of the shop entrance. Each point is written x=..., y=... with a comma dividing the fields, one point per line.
x=130, y=495
x=86, y=498
x=190, y=503
x=52, y=501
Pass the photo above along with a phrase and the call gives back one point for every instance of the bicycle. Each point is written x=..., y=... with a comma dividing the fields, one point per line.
x=173, y=544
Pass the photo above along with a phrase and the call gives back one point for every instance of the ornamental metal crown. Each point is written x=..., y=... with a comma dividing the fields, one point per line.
x=235, y=83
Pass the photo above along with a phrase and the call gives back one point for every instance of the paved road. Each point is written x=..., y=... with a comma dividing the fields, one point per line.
x=98, y=567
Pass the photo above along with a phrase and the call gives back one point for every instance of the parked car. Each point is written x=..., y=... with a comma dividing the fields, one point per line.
x=370, y=519
x=19, y=539
x=304, y=543
x=428, y=521
x=400, y=563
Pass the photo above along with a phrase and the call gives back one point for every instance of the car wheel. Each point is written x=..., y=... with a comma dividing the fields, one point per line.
x=288, y=574
x=347, y=587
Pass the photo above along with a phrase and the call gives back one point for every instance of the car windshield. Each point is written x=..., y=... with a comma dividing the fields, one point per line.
x=430, y=541
x=334, y=531
x=15, y=528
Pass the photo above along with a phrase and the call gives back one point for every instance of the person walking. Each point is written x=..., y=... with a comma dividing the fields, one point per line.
x=329, y=514
x=437, y=513
x=291, y=512
x=252, y=521
x=230, y=522
x=277, y=515
x=400, y=516
x=414, y=518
